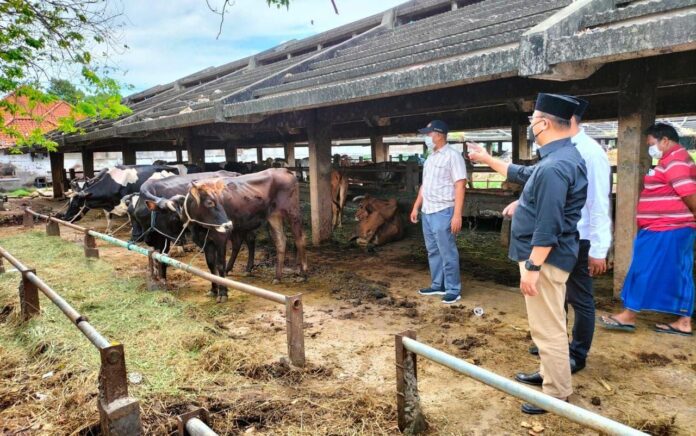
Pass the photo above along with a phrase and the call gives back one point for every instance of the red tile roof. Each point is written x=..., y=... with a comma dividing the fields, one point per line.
x=24, y=120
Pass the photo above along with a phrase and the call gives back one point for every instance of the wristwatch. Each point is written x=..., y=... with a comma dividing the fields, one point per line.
x=529, y=266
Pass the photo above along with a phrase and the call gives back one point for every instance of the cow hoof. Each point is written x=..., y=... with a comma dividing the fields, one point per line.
x=212, y=294
x=222, y=299
x=301, y=279
x=276, y=281
x=246, y=274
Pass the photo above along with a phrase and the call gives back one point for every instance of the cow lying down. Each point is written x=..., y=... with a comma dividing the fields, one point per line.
x=379, y=221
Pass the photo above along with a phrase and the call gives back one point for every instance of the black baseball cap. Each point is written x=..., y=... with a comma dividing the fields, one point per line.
x=438, y=126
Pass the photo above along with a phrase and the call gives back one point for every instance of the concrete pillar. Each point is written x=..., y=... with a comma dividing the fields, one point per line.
x=636, y=96
x=128, y=155
x=259, y=155
x=196, y=153
x=179, y=155
x=87, y=163
x=319, y=141
x=57, y=171
x=380, y=150
x=290, y=153
x=230, y=153
x=520, y=148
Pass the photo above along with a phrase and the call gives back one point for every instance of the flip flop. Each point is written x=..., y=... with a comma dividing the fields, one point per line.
x=615, y=325
x=671, y=330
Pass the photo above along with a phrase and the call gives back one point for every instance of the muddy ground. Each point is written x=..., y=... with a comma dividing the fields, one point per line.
x=354, y=302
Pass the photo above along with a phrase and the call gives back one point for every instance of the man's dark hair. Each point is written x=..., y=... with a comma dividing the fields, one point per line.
x=578, y=118
x=560, y=122
x=662, y=130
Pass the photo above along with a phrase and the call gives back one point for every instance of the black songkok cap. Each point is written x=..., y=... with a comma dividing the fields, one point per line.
x=557, y=105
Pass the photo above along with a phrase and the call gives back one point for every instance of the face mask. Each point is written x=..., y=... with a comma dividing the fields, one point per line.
x=429, y=142
x=535, y=136
x=654, y=152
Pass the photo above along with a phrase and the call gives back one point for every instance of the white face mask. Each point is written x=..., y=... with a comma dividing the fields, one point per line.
x=429, y=142
x=654, y=152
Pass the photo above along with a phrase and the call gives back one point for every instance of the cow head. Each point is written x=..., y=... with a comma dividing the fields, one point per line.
x=372, y=214
x=364, y=207
x=202, y=205
x=77, y=206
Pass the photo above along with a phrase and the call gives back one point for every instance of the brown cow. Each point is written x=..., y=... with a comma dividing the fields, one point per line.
x=244, y=203
x=379, y=221
x=339, y=191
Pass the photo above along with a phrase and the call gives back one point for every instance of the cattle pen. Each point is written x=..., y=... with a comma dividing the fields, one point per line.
x=293, y=304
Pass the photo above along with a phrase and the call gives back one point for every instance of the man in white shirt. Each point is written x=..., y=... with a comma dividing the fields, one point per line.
x=595, y=239
x=442, y=199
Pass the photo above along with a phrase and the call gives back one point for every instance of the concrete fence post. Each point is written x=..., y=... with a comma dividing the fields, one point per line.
x=28, y=296
x=52, y=228
x=28, y=220
x=119, y=414
x=91, y=250
x=294, y=319
x=409, y=414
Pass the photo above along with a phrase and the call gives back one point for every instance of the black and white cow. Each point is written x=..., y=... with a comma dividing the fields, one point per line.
x=106, y=189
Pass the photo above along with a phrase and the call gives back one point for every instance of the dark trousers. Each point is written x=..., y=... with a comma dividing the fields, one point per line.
x=579, y=295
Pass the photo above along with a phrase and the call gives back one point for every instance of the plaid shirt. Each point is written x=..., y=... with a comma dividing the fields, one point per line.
x=441, y=170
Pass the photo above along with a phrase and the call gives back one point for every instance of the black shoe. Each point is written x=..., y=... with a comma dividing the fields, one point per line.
x=531, y=409
x=576, y=366
x=450, y=299
x=533, y=378
x=534, y=350
x=430, y=291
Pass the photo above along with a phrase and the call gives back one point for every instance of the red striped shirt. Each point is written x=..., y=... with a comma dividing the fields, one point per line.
x=660, y=206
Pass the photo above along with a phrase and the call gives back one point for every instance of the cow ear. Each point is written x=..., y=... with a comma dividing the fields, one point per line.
x=151, y=205
x=195, y=193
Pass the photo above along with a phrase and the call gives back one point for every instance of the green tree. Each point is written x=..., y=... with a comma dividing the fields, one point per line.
x=66, y=91
x=41, y=37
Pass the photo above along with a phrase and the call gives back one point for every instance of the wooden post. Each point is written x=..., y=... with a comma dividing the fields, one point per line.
x=128, y=155
x=196, y=152
x=505, y=230
x=380, y=150
x=409, y=415
x=411, y=183
x=319, y=141
x=520, y=148
x=156, y=277
x=28, y=219
x=57, y=169
x=637, y=89
x=52, y=228
x=28, y=296
x=259, y=155
x=91, y=250
x=294, y=319
x=230, y=153
x=87, y=164
x=119, y=414
x=2, y=265
x=290, y=154
x=179, y=155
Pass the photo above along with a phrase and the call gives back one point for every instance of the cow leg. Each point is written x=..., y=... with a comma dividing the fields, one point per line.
x=107, y=214
x=251, y=248
x=342, y=193
x=334, y=214
x=220, y=249
x=300, y=242
x=280, y=241
x=236, y=239
x=210, y=260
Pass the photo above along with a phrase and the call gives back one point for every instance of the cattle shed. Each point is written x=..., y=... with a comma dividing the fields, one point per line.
x=474, y=64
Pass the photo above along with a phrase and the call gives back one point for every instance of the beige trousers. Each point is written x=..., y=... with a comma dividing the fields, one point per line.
x=547, y=323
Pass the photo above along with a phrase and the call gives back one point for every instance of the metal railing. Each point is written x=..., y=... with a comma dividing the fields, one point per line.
x=119, y=414
x=408, y=409
x=294, y=316
x=194, y=423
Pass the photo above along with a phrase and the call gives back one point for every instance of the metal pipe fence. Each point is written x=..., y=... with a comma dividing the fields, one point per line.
x=294, y=314
x=119, y=413
x=407, y=347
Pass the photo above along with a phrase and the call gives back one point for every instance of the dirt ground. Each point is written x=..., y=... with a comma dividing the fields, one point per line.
x=354, y=303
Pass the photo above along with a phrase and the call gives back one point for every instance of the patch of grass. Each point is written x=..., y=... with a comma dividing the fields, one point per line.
x=153, y=326
x=20, y=193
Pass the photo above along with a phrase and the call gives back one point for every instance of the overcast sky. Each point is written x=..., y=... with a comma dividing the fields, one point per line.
x=169, y=39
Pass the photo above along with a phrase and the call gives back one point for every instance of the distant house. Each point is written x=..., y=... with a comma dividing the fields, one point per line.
x=17, y=170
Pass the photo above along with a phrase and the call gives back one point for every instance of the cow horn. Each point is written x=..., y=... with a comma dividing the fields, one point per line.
x=358, y=198
x=170, y=205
